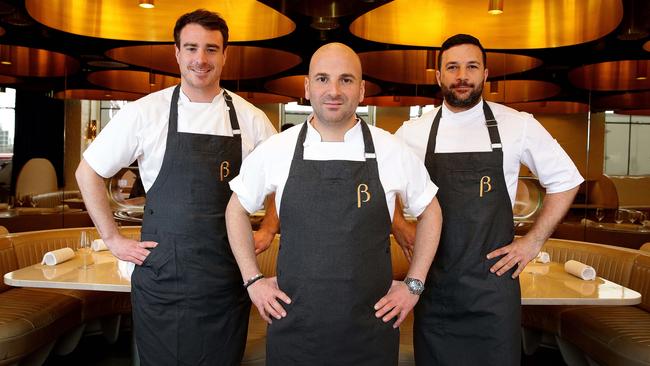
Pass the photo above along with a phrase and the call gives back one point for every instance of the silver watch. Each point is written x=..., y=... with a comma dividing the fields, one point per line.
x=415, y=286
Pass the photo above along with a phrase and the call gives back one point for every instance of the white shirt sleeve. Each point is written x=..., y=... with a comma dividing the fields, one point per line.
x=419, y=189
x=253, y=183
x=544, y=156
x=118, y=144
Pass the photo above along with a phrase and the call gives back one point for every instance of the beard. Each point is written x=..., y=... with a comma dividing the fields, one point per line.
x=471, y=100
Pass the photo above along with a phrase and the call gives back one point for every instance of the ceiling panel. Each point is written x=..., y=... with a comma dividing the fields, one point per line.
x=544, y=23
x=294, y=86
x=34, y=62
x=96, y=94
x=242, y=62
x=399, y=101
x=248, y=20
x=514, y=91
x=613, y=75
x=551, y=107
x=132, y=81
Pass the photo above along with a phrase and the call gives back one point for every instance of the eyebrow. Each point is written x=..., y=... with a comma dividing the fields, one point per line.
x=192, y=44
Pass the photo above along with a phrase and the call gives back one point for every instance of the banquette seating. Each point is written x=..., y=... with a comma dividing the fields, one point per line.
x=604, y=335
x=33, y=322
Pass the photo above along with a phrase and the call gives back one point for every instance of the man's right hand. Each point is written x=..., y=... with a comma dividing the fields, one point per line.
x=130, y=250
x=265, y=294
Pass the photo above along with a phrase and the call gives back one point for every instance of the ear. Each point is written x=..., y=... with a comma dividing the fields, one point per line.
x=362, y=92
x=177, y=52
x=438, y=76
x=225, y=55
x=485, y=76
x=307, y=87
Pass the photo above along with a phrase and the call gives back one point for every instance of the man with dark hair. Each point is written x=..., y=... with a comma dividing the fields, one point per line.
x=188, y=303
x=469, y=314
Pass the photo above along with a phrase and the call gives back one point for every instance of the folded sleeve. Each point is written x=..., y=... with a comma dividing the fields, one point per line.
x=418, y=190
x=252, y=184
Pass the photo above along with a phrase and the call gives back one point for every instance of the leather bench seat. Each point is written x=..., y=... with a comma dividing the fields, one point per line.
x=32, y=319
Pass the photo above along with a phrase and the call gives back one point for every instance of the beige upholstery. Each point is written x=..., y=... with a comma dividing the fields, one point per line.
x=36, y=176
x=3, y=230
x=609, y=335
x=645, y=247
x=602, y=193
x=54, y=199
x=32, y=320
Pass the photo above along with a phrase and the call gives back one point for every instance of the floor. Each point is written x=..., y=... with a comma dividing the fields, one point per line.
x=95, y=351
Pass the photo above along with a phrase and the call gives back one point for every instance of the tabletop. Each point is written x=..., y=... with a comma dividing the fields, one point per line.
x=541, y=284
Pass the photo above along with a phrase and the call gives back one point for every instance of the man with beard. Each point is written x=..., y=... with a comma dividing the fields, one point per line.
x=333, y=301
x=469, y=314
x=189, y=140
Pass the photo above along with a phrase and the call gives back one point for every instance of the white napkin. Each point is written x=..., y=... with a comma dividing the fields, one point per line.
x=98, y=245
x=543, y=257
x=580, y=270
x=125, y=268
x=57, y=256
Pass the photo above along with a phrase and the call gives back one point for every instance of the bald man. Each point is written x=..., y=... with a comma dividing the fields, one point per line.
x=334, y=301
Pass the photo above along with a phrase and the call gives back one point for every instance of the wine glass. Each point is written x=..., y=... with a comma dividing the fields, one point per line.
x=85, y=249
x=619, y=216
x=632, y=216
x=31, y=200
x=600, y=214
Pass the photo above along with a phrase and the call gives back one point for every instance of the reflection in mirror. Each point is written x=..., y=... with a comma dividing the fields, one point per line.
x=127, y=195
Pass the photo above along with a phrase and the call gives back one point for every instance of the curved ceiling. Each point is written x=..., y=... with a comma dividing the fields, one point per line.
x=515, y=91
x=242, y=62
x=551, y=107
x=613, y=75
x=132, y=81
x=248, y=20
x=640, y=100
x=545, y=23
x=418, y=66
x=399, y=101
x=294, y=86
x=96, y=94
x=264, y=98
x=34, y=62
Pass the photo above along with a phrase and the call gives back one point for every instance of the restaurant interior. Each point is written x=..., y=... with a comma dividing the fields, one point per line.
x=580, y=67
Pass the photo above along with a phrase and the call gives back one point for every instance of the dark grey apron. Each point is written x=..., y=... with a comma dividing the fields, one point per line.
x=467, y=315
x=334, y=263
x=189, y=306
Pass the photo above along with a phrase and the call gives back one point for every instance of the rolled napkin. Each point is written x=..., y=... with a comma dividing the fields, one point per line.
x=98, y=245
x=543, y=257
x=125, y=268
x=580, y=270
x=57, y=256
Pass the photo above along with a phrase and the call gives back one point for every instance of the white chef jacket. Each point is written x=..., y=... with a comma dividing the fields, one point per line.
x=523, y=138
x=400, y=171
x=139, y=131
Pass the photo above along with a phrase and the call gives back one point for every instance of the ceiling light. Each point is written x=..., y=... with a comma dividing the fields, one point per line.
x=494, y=87
x=641, y=70
x=495, y=7
x=431, y=60
x=146, y=4
x=5, y=55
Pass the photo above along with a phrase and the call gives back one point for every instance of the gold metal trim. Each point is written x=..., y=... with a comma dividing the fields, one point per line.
x=35, y=62
x=248, y=20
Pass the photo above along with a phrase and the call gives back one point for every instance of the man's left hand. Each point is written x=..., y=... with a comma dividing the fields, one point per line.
x=263, y=240
x=519, y=253
x=398, y=302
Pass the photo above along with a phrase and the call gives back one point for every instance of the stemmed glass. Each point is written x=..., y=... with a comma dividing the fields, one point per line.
x=31, y=200
x=600, y=214
x=619, y=216
x=85, y=250
x=632, y=216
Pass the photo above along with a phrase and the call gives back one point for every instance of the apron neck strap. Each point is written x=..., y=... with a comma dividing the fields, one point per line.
x=490, y=123
x=369, y=146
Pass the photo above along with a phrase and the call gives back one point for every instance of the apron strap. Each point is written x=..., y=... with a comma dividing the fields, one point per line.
x=172, y=128
x=234, y=122
x=490, y=123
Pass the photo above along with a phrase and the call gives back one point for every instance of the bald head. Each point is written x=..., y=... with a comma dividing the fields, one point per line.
x=337, y=52
x=334, y=85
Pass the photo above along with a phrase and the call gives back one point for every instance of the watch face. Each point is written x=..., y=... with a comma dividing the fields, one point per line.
x=415, y=286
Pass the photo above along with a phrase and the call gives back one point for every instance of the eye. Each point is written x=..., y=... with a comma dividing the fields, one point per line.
x=321, y=79
x=452, y=67
x=346, y=81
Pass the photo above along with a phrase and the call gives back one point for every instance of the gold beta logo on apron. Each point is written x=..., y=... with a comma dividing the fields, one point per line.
x=485, y=185
x=362, y=189
x=224, y=170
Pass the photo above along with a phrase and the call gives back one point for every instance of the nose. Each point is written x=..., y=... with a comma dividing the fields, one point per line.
x=334, y=89
x=201, y=56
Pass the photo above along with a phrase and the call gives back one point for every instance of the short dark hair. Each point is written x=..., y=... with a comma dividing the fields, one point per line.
x=207, y=19
x=458, y=40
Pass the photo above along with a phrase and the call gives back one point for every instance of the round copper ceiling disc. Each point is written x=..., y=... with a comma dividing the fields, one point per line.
x=248, y=20
x=514, y=91
x=132, y=81
x=264, y=98
x=35, y=62
x=646, y=46
x=242, y=62
x=418, y=66
x=294, y=86
x=551, y=107
x=96, y=94
x=399, y=101
x=523, y=24
x=633, y=112
x=640, y=100
x=613, y=75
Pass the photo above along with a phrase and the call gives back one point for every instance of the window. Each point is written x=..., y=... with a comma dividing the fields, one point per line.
x=7, y=123
x=625, y=150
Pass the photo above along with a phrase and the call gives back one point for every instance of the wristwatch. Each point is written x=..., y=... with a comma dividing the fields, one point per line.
x=415, y=286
